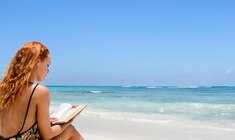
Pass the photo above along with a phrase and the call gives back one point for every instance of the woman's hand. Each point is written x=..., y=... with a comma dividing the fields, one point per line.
x=74, y=106
x=52, y=120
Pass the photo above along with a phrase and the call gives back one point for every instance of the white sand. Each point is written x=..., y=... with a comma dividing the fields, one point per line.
x=94, y=127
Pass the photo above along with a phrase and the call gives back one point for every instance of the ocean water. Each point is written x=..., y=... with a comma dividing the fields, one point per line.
x=158, y=103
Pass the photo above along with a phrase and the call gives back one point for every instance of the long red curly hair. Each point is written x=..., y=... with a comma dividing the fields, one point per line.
x=19, y=71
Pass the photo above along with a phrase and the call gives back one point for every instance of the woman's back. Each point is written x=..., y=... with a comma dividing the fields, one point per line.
x=9, y=125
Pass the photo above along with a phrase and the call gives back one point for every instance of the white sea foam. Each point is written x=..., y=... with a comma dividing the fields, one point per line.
x=96, y=91
x=126, y=86
x=135, y=117
x=188, y=86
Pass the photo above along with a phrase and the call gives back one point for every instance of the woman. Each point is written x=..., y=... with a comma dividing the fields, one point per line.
x=24, y=105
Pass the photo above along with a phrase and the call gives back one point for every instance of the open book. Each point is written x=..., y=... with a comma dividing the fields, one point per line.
x=66, y=112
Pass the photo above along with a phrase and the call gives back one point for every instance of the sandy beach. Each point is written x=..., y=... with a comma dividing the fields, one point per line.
x=99, y=127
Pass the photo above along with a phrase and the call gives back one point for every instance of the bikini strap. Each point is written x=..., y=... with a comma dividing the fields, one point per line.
x=27, y=109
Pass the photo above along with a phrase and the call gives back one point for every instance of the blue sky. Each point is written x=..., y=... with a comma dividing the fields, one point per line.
x=126, y=42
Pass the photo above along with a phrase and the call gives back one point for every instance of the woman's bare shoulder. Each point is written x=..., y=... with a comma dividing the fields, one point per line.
x=42, y=91
x=42, y=88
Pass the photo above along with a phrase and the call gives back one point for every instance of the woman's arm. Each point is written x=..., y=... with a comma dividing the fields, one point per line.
x=43, y=120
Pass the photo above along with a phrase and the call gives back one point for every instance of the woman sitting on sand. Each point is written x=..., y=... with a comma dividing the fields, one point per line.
x=24, y=105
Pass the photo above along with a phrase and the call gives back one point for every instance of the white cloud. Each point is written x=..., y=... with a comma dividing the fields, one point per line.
x=228, y=71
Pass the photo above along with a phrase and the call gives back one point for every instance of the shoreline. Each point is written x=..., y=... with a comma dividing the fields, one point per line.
x=94, y=127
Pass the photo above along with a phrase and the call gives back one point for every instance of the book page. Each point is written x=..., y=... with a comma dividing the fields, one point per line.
x=62, y=109
x=69, y=114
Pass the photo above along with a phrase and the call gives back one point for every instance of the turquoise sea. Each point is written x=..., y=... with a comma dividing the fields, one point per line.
x=215, y=103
